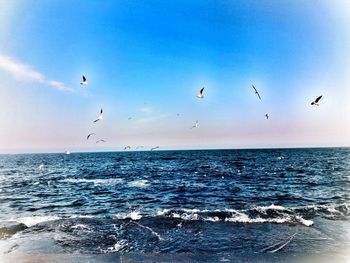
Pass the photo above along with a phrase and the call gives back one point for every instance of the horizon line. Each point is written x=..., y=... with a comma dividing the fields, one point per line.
x=193, y=149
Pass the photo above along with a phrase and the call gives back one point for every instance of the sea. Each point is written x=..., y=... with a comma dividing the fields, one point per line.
x=258, y=205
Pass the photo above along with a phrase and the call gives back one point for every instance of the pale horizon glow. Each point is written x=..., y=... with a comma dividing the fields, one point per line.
x=148, y=61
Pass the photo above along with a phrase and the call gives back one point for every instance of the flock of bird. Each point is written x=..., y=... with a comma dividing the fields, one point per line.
x=200, y=95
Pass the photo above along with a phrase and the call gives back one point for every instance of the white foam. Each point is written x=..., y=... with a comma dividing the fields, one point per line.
x=138, y=183
x=236, y=216
x=118, y=246
x=80, y=226
x=243, y=218
x=34, y=220
x=110, y=181
x=133, y=215
x=81, y=216
x=150, y=229
x=271, y=207
x=212, y=219
x=305, y=222
x=162, y=212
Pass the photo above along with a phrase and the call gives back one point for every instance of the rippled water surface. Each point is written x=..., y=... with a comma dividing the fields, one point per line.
x=218, y=202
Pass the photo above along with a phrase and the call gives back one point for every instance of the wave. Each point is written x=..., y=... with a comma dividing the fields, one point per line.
x=245, y=216
x=138, y=183
x=119, y=246
x=80, y=226
x=133, y=215
x=34, y=220
x=260, y=214
x=111, y=181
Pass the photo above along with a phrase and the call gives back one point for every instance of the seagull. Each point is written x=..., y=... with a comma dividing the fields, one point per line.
x=316, y=101
x=87, y=138
x=84, y=81
x=100, y=141
x=41, y=166
x=154, y=148
x=100, y=117
x=267, y=116
x=127, y=147
x=195, y=125
x=200, y=94
x=256, y=92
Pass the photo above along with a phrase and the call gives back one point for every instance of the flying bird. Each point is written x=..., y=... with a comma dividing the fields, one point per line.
x=157, y=147
x=129, y=118
x=100, y=117
x=267, y=116
x=200, y=94
x=316, y=101
x=100, y=141
x=127, y=147
x=256, y=92
x=195, y=125
x=87, y=138
x=84, y=81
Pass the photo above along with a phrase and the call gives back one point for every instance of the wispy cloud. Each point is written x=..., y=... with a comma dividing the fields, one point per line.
x=25, y=72
x=147, y=110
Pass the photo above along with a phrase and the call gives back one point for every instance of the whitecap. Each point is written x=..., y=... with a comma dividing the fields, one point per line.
x=34, y=220
x=271, y=207
x=243, y=218
x=305, y=222
x=138, y=183
x=162, y=212
x=111, y=181
x=117, y=246
x=81, y=216
x=133, y=215
x=212, y=219
x=80, y=226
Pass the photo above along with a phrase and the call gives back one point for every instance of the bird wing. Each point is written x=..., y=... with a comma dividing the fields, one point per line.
x=84, y=79
x=258, y=95
x=254, y=88
x=201, y=91
x=96, y=120
x=101, y=112
x=318, y=99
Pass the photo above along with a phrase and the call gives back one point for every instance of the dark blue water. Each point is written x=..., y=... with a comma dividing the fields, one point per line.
x=217, y=203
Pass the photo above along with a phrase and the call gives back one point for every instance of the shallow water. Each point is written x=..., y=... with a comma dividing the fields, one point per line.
x=223, y=203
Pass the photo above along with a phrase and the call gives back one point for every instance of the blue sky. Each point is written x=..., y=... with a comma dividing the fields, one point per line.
x=147, y=60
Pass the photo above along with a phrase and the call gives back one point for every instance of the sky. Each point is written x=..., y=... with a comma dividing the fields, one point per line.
x=148, y=59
